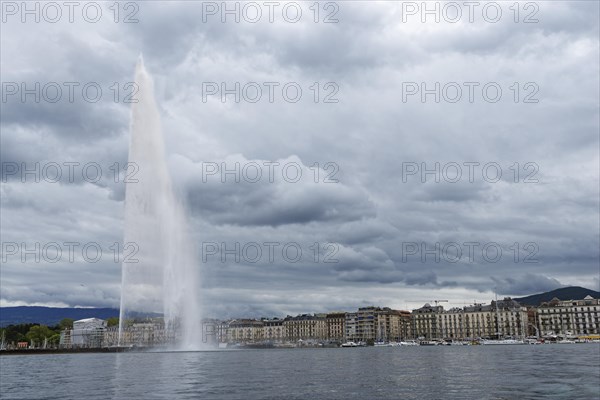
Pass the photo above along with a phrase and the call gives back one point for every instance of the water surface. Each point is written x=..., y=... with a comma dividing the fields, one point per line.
x=443, y=372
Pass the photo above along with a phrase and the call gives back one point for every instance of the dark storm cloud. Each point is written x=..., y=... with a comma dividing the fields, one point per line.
x=422, y=278
x=284, y=201
x=526, y=284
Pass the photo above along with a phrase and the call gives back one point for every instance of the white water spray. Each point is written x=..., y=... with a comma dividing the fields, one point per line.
x=165, y=278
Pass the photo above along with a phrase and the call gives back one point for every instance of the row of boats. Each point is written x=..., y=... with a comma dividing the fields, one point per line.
x=383, y=344
x=456, y=343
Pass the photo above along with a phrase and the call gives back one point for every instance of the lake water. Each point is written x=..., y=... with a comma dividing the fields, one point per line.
x=441, y=372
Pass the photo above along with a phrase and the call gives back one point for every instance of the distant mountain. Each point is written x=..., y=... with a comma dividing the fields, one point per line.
x=51, y=315
x=565, y=293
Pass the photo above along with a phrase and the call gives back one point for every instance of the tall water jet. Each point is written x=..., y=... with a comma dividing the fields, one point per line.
x=162, y=275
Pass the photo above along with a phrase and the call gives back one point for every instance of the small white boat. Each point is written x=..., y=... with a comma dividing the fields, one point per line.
x=409, y=343
x=428, y=343
x=349, y=344
x=532, y=341
x=566, y=341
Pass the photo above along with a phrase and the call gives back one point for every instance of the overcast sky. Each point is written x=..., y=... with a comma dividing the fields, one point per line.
x=374, y=136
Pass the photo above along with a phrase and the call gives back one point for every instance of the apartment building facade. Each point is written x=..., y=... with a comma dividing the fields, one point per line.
x=377, y=324
x=305, y=327
x=570, y=317
x=427, y=322
x=503, y=318
x=336, y=324
x=245, y=331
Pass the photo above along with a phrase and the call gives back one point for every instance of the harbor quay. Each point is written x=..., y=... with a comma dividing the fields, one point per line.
x=500, y=322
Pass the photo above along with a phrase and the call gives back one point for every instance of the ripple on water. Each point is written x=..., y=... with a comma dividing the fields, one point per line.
x=449, y=372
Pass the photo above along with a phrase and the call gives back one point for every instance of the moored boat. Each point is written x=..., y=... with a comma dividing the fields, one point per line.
x=502, y=341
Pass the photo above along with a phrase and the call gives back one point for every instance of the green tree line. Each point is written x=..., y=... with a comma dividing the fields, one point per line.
x=37, y=333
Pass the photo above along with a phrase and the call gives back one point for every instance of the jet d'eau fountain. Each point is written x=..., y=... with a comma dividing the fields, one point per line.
x=165, y=277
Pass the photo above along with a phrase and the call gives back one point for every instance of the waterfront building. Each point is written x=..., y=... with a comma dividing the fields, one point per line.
x=245, y=331
x=510, y=318
x=305, y=327
x=377, y=324
x=391, y=325
x=499, y=319
x=570, y=317
x=474, y=321
x=111, y=336
x=427, y=322
x=147, y=333
x=453, y=323
x=360, y=325
x=222, y=329
x=532, y=323
x=406, y=325
x=351, y=327
x=336, y=323
x=212, y=331
x=88, y=332
x=273, y=330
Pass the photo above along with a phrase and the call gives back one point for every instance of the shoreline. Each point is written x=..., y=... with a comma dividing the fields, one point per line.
x=154, y=349
x=71, y=351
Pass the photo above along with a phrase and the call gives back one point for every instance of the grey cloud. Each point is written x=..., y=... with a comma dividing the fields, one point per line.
x=281, y=202
x=453, y=192
x=525, y=284
x=421, y=278
x=369, y=134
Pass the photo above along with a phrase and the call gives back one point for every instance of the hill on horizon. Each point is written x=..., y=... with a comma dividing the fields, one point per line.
x=564, y=293
x=50, y=315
